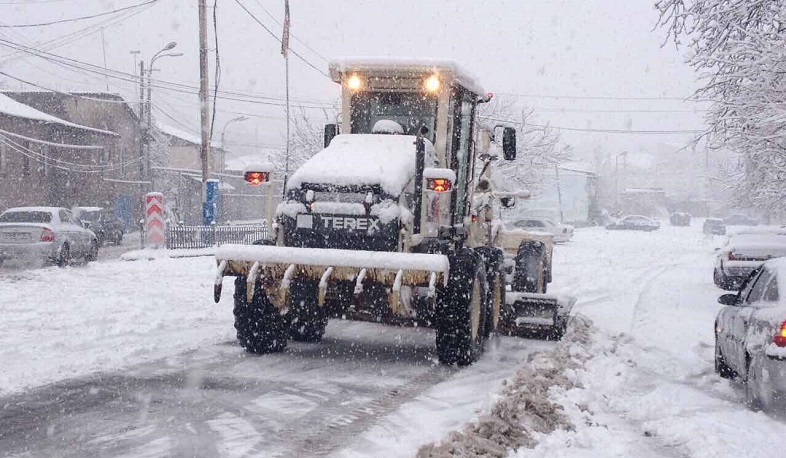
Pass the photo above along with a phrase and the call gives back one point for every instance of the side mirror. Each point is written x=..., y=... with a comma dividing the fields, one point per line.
x=509, y=143
x=728, y=299
x=507, y=201
x=331, y=130
x=86, y=224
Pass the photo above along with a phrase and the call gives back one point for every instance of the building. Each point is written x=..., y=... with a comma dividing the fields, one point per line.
x=71, y=149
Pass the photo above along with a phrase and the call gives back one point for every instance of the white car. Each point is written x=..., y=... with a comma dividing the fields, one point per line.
x=50, y=234
x=742, y=253
x=561, y=232
x=750, y=335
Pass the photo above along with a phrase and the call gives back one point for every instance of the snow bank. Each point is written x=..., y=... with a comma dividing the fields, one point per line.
x=387, y=161
x=71, y=322
x=524, y=408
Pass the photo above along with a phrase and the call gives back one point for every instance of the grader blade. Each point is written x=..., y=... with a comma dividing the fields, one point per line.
x=276, y=267
x=536, y=315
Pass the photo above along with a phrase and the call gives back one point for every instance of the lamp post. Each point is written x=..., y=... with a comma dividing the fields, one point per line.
x=240, y=118
x=617, y=177
x=148, y=103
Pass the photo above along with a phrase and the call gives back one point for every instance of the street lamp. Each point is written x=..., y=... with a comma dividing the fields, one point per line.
x=148, y=103
x=617, y=177
x=223, y=137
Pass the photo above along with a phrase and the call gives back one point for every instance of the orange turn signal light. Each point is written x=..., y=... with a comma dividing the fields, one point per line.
x=256, y=178
x=439, y=185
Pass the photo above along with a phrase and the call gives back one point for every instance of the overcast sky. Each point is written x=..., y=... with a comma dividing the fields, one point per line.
x=544, y=52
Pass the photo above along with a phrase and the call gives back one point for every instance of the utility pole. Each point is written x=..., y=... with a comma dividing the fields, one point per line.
x=559, y=195
x=204, y=152
x=142, y=125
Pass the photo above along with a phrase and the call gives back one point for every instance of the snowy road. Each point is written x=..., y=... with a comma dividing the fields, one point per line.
x=133, y=359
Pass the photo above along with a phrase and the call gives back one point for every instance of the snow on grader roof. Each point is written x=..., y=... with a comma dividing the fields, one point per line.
x=387, y=161
x=341, y=65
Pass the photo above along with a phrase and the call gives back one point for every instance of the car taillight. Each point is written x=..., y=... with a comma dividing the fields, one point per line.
x=732, y=257
x=47, y=236
x=780, y=338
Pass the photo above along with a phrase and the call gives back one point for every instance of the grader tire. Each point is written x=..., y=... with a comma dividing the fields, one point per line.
x=529, y=275
x=308, y=320
x=494, y=260
x=260, y=327
x=462, y=310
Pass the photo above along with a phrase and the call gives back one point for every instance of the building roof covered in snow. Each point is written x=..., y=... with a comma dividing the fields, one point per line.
x=13, y=108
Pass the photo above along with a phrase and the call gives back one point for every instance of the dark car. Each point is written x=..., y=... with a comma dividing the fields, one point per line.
x=680, y=219
x=750, y=336
x=634, y=223
x=740, y=220
x=714, y=226
x=103, y=221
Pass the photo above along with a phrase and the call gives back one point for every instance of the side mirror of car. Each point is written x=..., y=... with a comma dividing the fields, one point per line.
x=86, y=224
x=728, y=299
x=509, y=143
x=331, y=130
x=507, y=201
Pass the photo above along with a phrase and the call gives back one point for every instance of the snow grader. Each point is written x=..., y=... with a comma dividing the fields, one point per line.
x=396, y=221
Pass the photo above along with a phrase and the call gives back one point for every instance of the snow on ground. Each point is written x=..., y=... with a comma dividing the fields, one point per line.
x=64, y=323
x=643, y=383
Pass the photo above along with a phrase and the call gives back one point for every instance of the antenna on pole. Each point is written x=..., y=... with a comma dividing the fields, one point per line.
x=285, y=53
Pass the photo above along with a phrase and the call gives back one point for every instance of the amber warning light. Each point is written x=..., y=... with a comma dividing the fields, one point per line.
x=439, y=184
x=256, y=178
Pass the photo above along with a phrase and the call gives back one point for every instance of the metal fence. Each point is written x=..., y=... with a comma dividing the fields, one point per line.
x=206, y=236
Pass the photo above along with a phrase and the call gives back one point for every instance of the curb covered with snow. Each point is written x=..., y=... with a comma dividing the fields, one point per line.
x=151, y=253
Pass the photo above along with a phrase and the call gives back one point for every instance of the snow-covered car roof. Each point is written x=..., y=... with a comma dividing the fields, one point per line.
x=341, y=65
x=756, y=242
x=772, y=230
x=35, y=209
x=381, y=160
x=89, y=209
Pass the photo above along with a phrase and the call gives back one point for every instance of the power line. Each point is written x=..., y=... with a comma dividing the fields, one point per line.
x=78, y=34
x=61, y=21
x=279, y=39
x=602, y=131
x=579, y=110
x=292, y=35
x=162, y=84
x=587, y=97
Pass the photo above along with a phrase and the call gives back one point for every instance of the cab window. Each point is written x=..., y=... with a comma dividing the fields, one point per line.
x=463, y=110
x=410, y=109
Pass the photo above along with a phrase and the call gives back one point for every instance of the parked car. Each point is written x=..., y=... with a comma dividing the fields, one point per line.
x=561, y=232
x=51, y=234
x=740, y=220
x=106, y=225
x=750, y=335
x=714, y=226
x=680, y=219
x=635, y=223
x=742, y=253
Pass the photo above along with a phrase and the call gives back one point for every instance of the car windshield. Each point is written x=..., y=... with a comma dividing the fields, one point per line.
x=26, y=217
x=91, y=215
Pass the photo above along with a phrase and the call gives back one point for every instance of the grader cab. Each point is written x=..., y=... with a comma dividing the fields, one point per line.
x=394, y=221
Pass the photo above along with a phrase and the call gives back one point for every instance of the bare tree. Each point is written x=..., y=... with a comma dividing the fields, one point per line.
x=739, y=48
x=539, y=149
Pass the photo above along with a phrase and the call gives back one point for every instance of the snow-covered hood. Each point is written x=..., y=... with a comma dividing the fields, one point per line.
x=387, y=161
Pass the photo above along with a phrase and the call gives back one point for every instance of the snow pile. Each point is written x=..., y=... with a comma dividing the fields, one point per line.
x=387, y=161
x=152, y=253
x=524, y=409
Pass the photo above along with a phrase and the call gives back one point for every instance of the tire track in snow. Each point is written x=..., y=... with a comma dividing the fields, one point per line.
x=326, y=438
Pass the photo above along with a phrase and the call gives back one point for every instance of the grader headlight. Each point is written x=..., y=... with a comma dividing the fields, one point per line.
x=432, y=84
x=354, y=83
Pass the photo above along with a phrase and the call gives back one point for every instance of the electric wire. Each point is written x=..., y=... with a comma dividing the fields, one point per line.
x=303, y=59
x=82, y=18
x=604, y=131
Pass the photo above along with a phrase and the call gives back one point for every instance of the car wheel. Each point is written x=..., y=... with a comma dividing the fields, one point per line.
x=92, y=255
x=721, y=368
x=65, y=256
x=752, y=398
